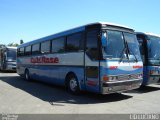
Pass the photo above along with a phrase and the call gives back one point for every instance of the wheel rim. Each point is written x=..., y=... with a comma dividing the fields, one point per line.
x=73, y=84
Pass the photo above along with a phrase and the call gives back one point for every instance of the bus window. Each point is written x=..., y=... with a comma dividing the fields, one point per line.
x=115, y=44
x=45, y=47
x=35, y=49
x=21, y=52
x=28, y=50
x=73, y=42
x=92, y=44
x=143, y=47
x=58, y=45
x=18, y=52
x=11, y=55
x=140, y=40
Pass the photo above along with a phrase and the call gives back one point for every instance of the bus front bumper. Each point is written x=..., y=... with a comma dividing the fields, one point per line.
x=121, y=86
x=153, y=80
x=11, y=67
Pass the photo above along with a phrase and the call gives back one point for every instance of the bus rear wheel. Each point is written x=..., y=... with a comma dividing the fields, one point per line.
x=27, y=76
x=72, y=84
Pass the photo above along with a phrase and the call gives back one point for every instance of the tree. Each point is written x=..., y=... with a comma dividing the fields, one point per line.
x=2, y=46
x=21, y=41
x=13, y=44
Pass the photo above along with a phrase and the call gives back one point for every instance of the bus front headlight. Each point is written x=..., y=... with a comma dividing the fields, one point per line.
x=140, y=76
x=109, y=78
x=113, y=78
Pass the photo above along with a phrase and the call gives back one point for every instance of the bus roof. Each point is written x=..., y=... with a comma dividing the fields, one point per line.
x=70, y=31
x=148, y=33
x=152, y=34
x=11, y=47
x=111, y=24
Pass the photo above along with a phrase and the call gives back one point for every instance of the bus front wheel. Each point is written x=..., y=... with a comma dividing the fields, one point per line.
x=27, y=76
x=72, y=84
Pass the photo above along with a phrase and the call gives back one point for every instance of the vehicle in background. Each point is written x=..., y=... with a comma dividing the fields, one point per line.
x=8, y=58
x=150, y=51
x=99, y=57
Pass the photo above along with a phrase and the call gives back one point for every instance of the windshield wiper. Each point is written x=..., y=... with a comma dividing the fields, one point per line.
x=122, y=53
x=130, y=51
x=134, y=55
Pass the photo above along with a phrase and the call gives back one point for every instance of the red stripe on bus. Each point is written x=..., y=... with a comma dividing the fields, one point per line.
x=91, y=82
x=113, y=67
x=137, y=66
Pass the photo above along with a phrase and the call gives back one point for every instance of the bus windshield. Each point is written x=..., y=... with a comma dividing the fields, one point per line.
x=153, y=50
x=121, y=45
x=11, y=55
x=133, y=46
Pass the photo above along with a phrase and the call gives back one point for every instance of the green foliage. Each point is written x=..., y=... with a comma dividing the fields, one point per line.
x=21, y=42
x=13, y=44
x=2, y=45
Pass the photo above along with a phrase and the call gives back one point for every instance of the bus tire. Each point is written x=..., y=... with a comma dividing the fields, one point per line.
x=27, y=76
x=72, y=84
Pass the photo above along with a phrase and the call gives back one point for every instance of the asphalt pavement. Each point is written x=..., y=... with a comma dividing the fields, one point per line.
x=18, y=96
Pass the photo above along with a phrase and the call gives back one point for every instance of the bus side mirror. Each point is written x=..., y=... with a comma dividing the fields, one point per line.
x=104, y=40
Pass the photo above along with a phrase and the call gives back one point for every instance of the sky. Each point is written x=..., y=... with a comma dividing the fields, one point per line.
x=32, y=19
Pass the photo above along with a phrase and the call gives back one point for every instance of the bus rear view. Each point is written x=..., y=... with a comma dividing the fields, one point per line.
x=149, y=48
x=99, y=57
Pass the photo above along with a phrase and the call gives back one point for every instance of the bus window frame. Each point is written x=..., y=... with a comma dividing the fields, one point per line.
x=49, y=47
x=64, y=45
x=99, y=45
x=37, y=52
x=30, y=53
x=19, y=54
x=145, y=48
x=80, y=44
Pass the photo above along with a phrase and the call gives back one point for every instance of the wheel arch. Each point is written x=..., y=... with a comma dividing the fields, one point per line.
x=67, y=76
x=26, y=69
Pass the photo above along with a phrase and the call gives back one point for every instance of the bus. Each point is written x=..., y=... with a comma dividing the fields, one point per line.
x=98, y=57
x=149, y=44
x=8, y=58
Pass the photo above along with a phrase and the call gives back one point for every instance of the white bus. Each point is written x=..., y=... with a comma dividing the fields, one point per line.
x=99, y=57
x=8, y=58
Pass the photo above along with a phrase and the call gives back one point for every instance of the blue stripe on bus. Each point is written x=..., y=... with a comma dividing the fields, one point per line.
x=119, y=71
x=146, y=73
x=55, y=74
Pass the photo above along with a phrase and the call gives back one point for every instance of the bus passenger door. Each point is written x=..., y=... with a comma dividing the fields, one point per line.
x=91, y=61
x=143, y=48
x=144, y=55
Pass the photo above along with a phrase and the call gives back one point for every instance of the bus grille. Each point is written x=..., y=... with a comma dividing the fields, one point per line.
x=135, y=76
x=127, y=77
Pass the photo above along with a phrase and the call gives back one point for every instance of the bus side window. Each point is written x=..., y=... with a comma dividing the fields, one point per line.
x=20, y=51
x=58, y=45
x=73, y=42
x=45, y=47
x=28, y=50
x=92, y=44
x=35, y=48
